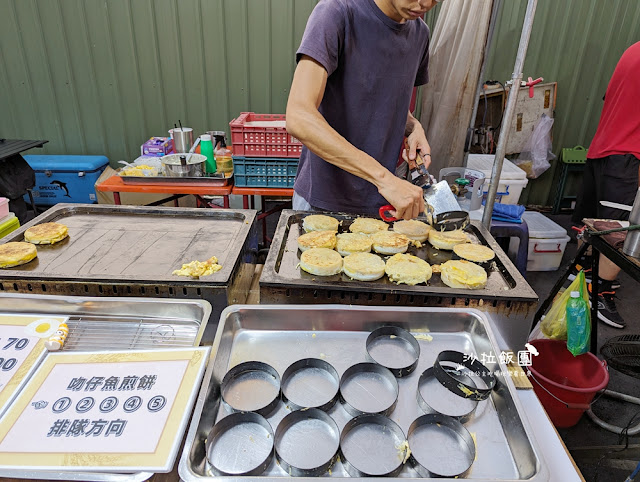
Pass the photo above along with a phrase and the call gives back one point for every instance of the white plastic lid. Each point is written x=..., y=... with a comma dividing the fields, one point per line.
x=575, y=294
x=541, y=226
x=484, y=163
x=205, y=137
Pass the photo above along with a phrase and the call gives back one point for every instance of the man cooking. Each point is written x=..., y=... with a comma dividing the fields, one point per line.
x=349, y=105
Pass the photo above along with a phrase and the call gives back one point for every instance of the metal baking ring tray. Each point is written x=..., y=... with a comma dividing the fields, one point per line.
x=367, y=388
x=433, y=397
x=372, y=445
x=251, y=386
x=307, y=443
x=107, y=323
x=394, y=348
x=283, y=334
x=240, y=433
x=310, y=383
x=440, y=446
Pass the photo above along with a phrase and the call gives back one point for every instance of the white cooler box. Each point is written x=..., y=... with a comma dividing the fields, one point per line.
x=512, y=179
x=547, y=241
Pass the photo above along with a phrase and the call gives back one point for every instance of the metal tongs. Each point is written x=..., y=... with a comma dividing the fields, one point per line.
x=440, y=205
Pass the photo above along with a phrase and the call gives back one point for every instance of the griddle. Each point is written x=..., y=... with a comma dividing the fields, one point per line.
x=133, y=250
x=507, y=293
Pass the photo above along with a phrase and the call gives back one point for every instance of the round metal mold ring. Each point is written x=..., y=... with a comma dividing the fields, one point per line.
x=251, y=387
x=307, y=443
x=310, y=383
x=368, y=388
x=448, y=377
x=240, y=444
x=394, y=348
x=373, y=446
x=433, y=397
x=440, y=446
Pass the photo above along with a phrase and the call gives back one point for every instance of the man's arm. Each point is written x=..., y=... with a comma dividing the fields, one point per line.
x=305, y=123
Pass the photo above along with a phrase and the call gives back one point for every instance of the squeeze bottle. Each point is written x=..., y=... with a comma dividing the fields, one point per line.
x=206, y=149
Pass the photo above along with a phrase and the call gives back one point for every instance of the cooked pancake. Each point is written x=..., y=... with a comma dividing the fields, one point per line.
x=447, y=239
x=476, y=253
x=368, y=226
x=363, y=266
x=321, y=261
x=407, y=269
x=15, y=254
x=46, y=233
x=413, y=229
x=320, y=222
x=349, y=243
x=463, y=274
x=317, y=239
x=388, y=242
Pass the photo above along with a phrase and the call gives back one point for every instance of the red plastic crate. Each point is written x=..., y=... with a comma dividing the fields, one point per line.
x=263, y=135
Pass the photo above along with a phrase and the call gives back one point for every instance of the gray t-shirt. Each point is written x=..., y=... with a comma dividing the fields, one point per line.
x=373, y=64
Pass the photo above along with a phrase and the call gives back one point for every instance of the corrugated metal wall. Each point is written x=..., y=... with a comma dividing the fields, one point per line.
x=102, y=76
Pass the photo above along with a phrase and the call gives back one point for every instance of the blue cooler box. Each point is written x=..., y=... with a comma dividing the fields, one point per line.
x=65, y=179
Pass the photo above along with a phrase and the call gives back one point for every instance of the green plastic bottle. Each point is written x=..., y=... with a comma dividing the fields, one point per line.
x=206, y=149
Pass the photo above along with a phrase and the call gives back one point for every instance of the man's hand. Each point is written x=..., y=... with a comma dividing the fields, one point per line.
x=405, y=197
x=417, y=141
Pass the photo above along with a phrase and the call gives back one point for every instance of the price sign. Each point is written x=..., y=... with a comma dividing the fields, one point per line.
x=113, y=411
x=20, y=352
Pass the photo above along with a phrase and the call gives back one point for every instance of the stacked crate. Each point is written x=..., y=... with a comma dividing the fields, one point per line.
x=264, y=154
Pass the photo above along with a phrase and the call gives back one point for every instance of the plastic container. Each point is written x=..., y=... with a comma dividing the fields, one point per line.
x=224, y=158
x=565, y=384
x=263, y=135
x=547, y=242
x=65, y=179
x=8, y=224
x=4, y=207
x=512, y=179
x=264, y=172
x=206, y=149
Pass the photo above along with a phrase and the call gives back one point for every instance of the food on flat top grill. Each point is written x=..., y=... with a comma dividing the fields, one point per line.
x=407, y=269
x=320, y=222
x=447, y=239
x=476, y=253
x=368, y=226
x=321, y=261
x=16, y=254
x=349, y=243
x=196, y=269
x=46, y=233
x=317, y=239
x=364, y=266
x=463, y=274
x=388, y=242
x=413, y=229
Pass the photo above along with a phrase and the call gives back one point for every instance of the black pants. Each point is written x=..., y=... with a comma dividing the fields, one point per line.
x=613, y=178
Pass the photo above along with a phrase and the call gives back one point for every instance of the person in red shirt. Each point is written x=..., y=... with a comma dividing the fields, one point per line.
x=612, y=169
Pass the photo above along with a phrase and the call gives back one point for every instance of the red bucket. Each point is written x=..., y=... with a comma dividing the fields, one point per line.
x=566, y=384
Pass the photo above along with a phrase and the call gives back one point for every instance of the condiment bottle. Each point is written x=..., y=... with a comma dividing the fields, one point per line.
x=224, y=157
x=206, y=149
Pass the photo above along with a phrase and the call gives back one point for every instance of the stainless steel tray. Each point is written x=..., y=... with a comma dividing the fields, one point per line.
x=280, y=335
x=124, y=323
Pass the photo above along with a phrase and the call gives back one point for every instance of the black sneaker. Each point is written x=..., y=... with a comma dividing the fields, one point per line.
x=607, y=311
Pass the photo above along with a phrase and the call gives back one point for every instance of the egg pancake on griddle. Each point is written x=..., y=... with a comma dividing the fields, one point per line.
x=463, y=274
x=363, y=266
x=447, y=239
x=321, y=261
x=349, y=243
x=389, y=242
x=407, y=269
x=413, y=229
x=15, y=254
x=319, y=222
x=368, y=226
x=317, y=239
x=46, y=233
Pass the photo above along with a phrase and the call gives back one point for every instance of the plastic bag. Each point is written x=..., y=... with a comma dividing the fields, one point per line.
x=536, y=154
x=579, y=320
x=554, y=323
